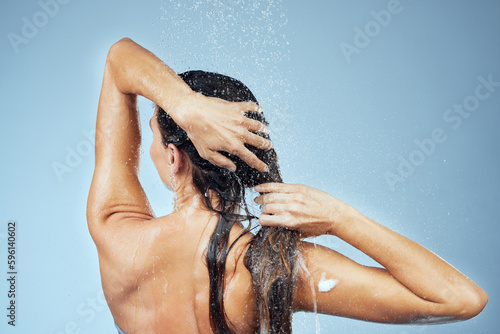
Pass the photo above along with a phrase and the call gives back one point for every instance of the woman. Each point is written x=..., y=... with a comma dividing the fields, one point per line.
x=198, y=269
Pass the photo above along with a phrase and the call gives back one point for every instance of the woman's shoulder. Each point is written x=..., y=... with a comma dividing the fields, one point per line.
x=129, y=235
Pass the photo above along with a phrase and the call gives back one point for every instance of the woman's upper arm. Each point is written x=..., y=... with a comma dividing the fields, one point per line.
x=362, y=292
x=115, y=189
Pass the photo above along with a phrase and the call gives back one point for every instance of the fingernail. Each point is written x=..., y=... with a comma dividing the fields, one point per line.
x=232, y=169
x=266, y=169
x=255, y=200
x=257, y=188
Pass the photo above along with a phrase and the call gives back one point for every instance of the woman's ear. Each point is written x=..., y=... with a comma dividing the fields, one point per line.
x=174, y=157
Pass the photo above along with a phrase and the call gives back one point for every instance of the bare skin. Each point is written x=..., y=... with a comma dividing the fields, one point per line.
x=414, y=285
x=152, y=268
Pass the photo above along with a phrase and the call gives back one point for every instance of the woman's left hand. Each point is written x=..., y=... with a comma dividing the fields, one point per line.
x=215, y=125
x=310, y=211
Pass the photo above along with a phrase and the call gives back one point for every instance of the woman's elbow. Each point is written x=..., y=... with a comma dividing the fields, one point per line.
x=477, y=304
x=472, y=306
x=117, y=47
x=125, y=40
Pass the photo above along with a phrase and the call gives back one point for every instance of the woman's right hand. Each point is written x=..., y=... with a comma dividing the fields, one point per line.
x=310, y=211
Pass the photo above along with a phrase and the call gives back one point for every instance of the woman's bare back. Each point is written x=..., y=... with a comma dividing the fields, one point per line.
x=155, y=277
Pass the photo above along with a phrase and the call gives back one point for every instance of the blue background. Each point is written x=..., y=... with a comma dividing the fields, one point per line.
x=339, y=124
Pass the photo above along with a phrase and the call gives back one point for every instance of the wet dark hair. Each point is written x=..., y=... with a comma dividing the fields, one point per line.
x=271, y=257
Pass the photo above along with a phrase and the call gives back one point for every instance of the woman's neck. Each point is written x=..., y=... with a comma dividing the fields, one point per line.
x=188, y=198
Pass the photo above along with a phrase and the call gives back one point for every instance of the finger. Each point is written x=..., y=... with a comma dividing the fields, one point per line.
x=255, y=126
x=221, y=161
x=277, y=187
x=272, y=208
x=258, y=141
x=251, y=159
x=249, y=106
x=281, y=198
x=273, y=220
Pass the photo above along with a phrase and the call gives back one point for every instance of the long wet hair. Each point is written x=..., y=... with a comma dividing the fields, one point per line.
x=271, y=257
